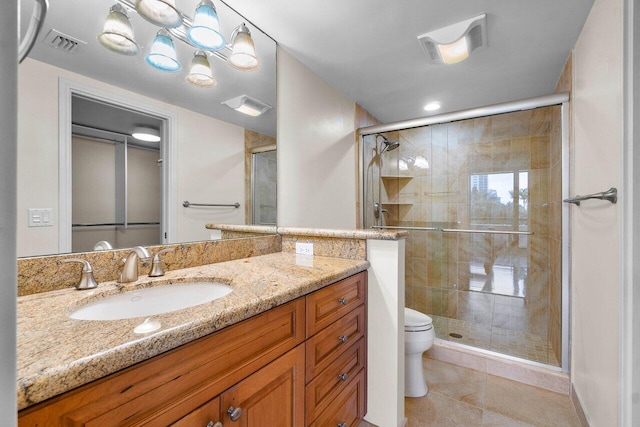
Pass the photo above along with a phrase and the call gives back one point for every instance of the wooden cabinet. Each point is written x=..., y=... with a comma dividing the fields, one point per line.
x=261, y=365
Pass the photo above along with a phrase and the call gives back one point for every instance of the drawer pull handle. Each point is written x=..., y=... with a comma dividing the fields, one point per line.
x=343, y=338
x=342, y=376
x=343, y=301
x=212, y=424
x=234, y=413
x=342, y=424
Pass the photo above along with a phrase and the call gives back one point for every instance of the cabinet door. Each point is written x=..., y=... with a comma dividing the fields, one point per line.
x=273, y=396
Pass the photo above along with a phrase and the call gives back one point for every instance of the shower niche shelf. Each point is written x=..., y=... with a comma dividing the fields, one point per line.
x=396, y=204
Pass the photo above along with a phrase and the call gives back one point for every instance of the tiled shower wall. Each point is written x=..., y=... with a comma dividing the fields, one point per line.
x=427, y=183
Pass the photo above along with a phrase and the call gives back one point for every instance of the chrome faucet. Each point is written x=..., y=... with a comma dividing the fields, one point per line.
x=129, y=272
x=86, y=280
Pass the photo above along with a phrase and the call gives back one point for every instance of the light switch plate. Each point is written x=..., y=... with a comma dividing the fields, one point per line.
x=40, y=217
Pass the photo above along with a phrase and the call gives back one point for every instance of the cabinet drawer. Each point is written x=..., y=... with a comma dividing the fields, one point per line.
x=330, y=382
x=325, y=346
x=331, y=303
x=348, y=408
x=207, y=413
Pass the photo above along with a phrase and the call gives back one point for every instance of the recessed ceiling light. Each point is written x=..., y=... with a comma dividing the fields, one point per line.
x=146, y=134
x=432, y=106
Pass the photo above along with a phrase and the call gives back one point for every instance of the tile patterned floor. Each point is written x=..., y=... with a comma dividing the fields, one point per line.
x=505, y=341
x=463, y=397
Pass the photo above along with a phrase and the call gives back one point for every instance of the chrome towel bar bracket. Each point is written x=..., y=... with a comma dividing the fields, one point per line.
x=611, y=195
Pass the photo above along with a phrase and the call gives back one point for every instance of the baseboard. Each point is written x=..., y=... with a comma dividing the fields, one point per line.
x=403, y=423
x=578, y=407
x=537, y=376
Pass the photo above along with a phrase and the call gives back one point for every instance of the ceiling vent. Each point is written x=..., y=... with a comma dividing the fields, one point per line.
x=62, y=42
x=456, y=42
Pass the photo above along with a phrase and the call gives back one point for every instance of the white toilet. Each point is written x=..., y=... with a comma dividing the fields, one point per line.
x=418, y=338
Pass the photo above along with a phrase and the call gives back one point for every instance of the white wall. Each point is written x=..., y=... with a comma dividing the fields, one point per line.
x=210, y=167
x=8, y=138
x=316, y=150
x=597, y=123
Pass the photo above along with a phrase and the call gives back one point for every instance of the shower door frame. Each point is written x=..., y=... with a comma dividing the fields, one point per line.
x=561, y=99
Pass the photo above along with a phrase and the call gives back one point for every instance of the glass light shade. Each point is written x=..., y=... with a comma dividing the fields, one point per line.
x=162, y=13
x=243, y=55
x=200, y=73
x=146, y=134
x=163, y=53
x=205, y=31
x=117, y=33
x=454, y=52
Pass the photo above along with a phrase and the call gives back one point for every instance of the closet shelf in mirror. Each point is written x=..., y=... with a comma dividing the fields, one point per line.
x=407, y=177
x=113, y=224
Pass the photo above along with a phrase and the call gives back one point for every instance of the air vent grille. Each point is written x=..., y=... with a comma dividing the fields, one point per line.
x=63, y=42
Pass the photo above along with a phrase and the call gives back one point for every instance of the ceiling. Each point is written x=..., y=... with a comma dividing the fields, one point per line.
x=368, y=49
x=84, y=19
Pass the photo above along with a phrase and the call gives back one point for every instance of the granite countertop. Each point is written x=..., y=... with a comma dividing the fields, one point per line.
x=362, y=234
x=57, y=353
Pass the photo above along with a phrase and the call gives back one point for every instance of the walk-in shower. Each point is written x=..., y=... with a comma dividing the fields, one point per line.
x=480, y=193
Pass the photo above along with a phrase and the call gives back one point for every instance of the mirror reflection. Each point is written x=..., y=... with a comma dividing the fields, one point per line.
x=84, y=180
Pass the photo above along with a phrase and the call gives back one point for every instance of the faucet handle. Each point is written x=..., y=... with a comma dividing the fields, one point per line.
x=156, y=265
x=87, y=280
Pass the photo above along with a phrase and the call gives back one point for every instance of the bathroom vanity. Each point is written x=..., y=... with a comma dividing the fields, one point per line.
x=295, y=355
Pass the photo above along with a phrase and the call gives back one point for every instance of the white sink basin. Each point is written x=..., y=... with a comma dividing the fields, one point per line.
x=151, y=301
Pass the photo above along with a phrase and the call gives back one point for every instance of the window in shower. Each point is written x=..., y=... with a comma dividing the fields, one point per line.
x=498, y=262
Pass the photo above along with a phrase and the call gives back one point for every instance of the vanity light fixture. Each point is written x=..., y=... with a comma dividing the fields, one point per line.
x=243, y=55
x=162, y=13
x=247, y=105
x=144, y=133
x=163, y=53
x=432, y=106
x=200, y=72
x=202, y=33
x=117, y=33
x=205, y=31
x=454, y=43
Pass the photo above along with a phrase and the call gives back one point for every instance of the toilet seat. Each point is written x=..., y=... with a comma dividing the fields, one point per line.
x=414, y=321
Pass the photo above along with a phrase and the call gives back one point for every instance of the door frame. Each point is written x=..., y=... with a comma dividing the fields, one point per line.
x=66, y=90
x=630, y=232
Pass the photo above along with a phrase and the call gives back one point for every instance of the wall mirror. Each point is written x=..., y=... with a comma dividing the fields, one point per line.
x=80, y=172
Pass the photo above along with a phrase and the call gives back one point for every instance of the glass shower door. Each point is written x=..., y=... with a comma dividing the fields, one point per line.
x=481, y=200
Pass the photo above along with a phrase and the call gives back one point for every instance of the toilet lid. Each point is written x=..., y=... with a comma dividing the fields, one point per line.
x=415, y=318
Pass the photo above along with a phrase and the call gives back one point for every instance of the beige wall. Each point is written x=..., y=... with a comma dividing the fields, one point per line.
x=209, y=159
x=597, y=137
x=316, y=150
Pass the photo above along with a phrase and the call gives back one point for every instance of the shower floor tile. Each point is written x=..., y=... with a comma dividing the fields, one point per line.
x=513, y=343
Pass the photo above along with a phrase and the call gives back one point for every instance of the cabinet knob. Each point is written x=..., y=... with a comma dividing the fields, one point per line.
x=234, y=413
x=212, y=424
x=343, y=376
x=342, y=424
x=343, y=301
x=343, y=338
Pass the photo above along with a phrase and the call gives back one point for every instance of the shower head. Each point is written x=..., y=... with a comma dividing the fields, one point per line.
x=388, y=145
